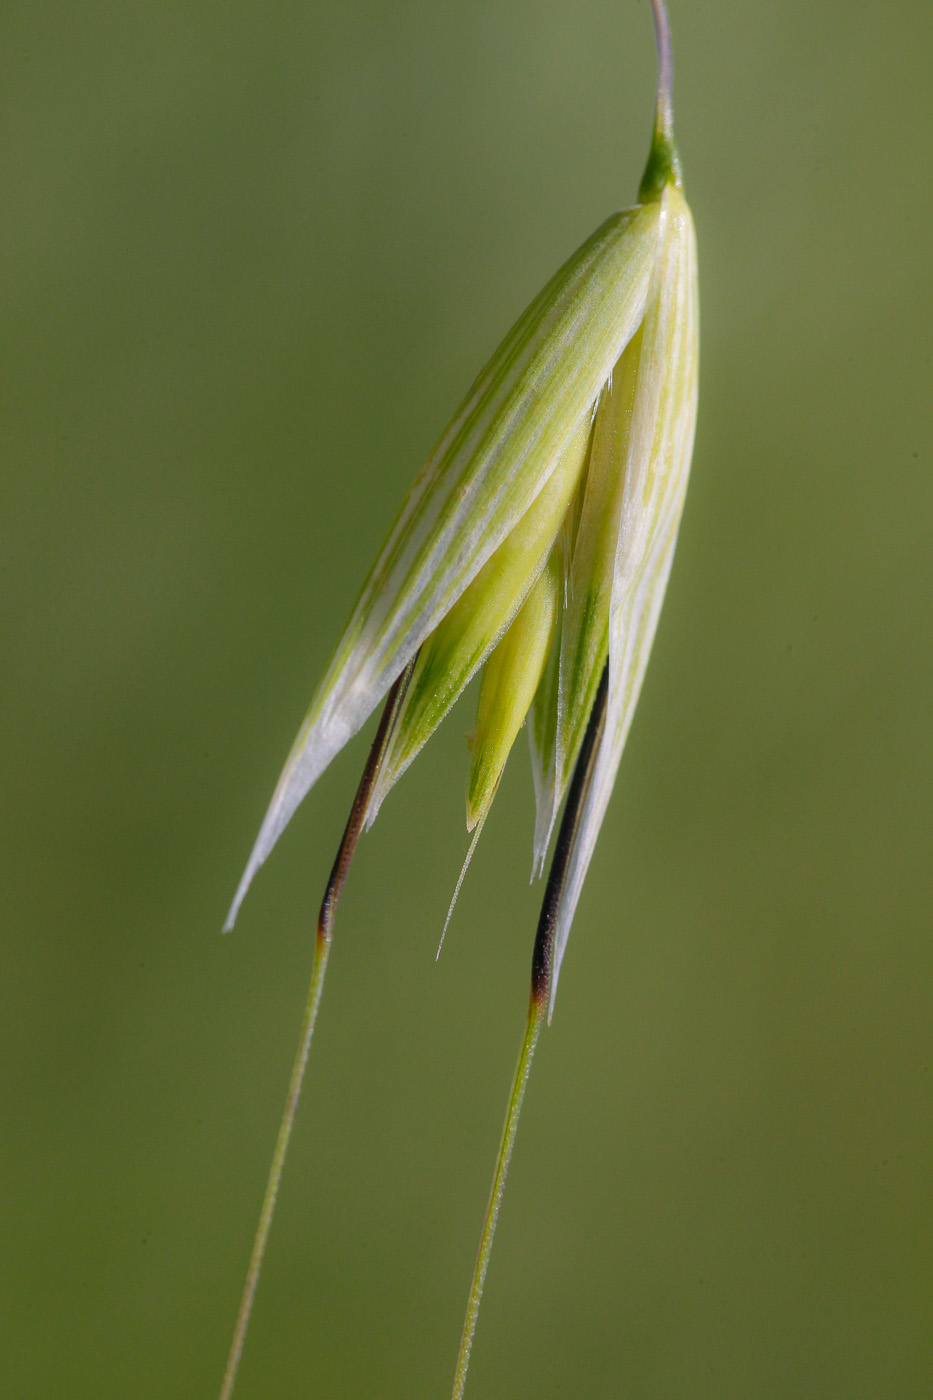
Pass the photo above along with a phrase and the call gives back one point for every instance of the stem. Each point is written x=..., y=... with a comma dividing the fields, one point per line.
x=325, y=924
x=536, y=1010
x=541, y=973
x=663, y=166
x=664, y=110
x=321, y=951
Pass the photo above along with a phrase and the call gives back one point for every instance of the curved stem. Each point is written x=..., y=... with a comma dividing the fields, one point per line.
x=325, y=925
x=664, y=110
x=663, y=166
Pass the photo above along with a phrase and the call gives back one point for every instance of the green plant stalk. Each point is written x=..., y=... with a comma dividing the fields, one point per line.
x=536, y=1013
x=541, y=973
x=321, y=953
x=322, y=945
x=663, y=161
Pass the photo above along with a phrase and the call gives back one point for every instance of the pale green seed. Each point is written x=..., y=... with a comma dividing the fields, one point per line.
x=509, y=681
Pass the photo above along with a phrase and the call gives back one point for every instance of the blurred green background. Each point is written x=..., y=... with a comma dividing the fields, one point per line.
x=251, y=255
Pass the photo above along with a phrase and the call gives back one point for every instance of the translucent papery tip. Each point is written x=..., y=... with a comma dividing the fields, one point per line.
x=272, y=827
x=316, y=745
